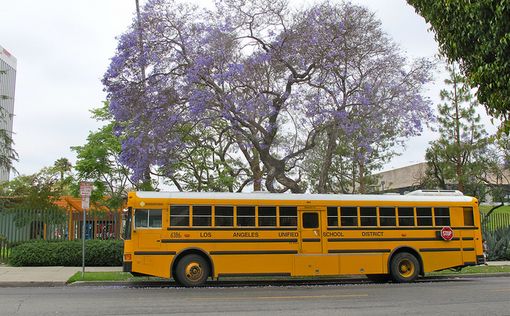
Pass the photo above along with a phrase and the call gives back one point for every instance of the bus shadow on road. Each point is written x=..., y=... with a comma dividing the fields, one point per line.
x=295, y=282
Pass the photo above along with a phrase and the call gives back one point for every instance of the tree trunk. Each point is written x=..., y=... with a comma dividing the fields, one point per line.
x=332, y=136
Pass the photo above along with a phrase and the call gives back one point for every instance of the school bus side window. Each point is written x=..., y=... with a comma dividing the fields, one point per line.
x=179, y=215
x=288, y=216
x=145, y=218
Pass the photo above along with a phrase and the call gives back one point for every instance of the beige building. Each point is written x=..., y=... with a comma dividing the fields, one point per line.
x=401, y=180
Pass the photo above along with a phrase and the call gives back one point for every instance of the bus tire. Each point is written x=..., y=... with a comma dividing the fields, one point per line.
x=192, y=270
x=404, y=267
x=378, y=278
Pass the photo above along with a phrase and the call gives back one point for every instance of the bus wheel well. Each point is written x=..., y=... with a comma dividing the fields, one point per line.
x=408, y=250
x=189, y=252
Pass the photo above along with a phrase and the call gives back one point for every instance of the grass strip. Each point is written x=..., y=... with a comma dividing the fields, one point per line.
x=504, y=209
x=473, y=270
x=100, y=276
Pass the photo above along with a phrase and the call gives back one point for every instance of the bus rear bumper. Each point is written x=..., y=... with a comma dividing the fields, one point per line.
x=481, y=259
x=127, y=266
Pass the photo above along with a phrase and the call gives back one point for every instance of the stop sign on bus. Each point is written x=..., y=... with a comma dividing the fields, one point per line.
x=447, y=233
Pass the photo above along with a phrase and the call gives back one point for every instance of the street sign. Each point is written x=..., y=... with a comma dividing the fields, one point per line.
x=447, y=233
x=85, y=189
x=85, y=202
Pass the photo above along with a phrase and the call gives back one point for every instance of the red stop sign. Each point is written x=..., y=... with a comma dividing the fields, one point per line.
x=447, y=233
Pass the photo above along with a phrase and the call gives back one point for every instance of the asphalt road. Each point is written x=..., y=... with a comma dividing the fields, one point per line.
x=462, y=296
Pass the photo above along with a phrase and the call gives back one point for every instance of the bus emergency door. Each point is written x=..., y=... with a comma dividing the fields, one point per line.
x=310, y=241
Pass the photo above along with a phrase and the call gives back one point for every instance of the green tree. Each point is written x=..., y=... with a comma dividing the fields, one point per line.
x=476, y=35
x=98, y=161
x=37, y=191
x=456, y=157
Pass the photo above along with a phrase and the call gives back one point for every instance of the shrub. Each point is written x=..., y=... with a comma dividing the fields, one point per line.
x=67, y=253
x=498, y=243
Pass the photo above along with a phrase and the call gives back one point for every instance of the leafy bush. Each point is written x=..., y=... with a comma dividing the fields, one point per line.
x=498, y=243
x=67, y=253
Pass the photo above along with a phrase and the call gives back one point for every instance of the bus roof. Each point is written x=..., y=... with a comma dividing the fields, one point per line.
x=305, y=197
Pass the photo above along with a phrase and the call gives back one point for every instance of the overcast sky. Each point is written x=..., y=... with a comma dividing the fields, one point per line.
x=64, y=47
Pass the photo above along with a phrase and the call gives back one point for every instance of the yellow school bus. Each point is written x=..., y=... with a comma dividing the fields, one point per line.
x=195, y=236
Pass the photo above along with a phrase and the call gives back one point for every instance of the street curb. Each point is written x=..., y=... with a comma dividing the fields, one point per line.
x=31, y=284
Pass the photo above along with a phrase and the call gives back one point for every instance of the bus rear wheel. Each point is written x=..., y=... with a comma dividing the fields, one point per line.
x=192, y=270
x=404, y=267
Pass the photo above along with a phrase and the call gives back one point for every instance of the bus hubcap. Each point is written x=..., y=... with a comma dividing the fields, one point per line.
x=194, y=271
x=406, y=268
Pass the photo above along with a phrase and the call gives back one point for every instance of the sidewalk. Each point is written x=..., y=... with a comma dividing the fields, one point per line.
x=43, y=276
x=57, y=276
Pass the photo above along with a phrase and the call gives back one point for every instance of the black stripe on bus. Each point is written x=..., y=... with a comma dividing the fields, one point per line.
x=468, y=249
x=468, y=238
x=438, y=249
x=255, y=252
x=154, y=253
x=170, y=241
x=230, y=228
x=387, y=239
x=359, y=250
x=311, y=239
x=400, y=228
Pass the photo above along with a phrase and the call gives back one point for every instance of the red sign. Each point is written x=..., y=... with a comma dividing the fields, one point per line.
x=85, y=189
x=447, y=233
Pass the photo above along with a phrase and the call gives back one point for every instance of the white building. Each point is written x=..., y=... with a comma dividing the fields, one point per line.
x=7, y=87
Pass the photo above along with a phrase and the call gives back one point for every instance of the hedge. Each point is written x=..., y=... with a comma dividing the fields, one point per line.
x=67, y=253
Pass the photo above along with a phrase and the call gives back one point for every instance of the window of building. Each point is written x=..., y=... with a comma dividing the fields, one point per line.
x=368, y=216
x=387, y=216
x=224, y=215
x=424, y=216
x=332, y=216
x=349, y=216
x=202, y=215
x=288, y=216
x=267, y=216
x=442, y=216
x=405, y=216
x=246, y=216
x=148, y=218
x=179, y=215
x=310, y=220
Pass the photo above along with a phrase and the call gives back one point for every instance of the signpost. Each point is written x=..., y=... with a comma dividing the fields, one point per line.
x=85, y=191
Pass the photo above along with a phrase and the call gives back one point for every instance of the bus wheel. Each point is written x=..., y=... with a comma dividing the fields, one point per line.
x=192, y=270
x=404, y=267
x=378, y=278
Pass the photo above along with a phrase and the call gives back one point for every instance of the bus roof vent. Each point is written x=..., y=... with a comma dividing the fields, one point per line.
x=436, y=192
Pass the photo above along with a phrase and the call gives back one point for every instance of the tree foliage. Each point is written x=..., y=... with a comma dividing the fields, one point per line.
x=38, y=191
x=274, y=79
x=456, y=159
x=476, y=34
x=98, y=161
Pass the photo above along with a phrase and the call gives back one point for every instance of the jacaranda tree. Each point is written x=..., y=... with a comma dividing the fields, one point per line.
x=278, y=79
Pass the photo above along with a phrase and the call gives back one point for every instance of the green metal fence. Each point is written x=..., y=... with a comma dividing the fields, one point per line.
x=20, y=225
x=495, y=221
